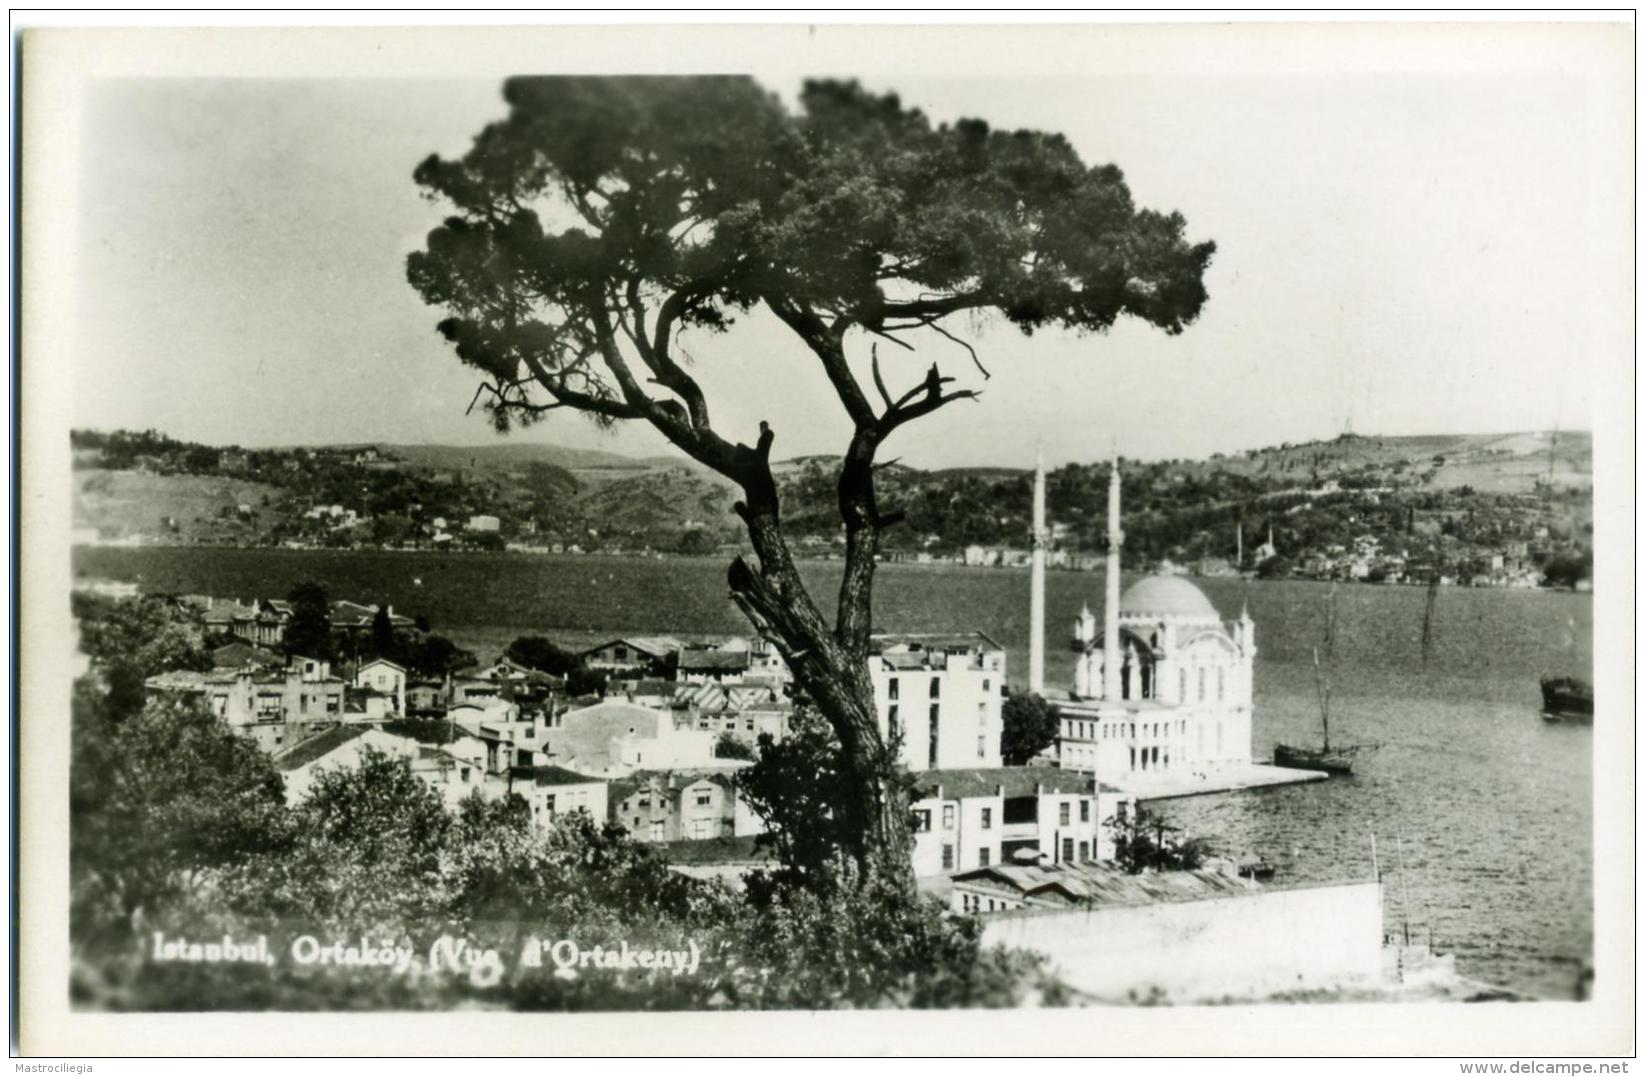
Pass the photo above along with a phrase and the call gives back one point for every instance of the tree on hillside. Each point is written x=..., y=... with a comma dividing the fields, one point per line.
x=383, y=643
x=1030, y=726
x=603, y=218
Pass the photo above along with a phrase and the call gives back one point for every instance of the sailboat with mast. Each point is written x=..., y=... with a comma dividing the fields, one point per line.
x=1337, y=760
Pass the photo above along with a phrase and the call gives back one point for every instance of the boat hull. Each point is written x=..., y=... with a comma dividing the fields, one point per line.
x=1566, y=699
x=1286, y=755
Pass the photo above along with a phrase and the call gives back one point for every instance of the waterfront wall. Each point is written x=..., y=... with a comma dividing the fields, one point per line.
x=1241, y=947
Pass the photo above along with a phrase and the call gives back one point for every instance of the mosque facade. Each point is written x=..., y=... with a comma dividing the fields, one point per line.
x=1162, y=684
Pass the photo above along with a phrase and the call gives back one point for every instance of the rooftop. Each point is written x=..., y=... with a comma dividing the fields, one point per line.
x=1166, y=596
x=318, y=746
x=960, y=784
x=1093, y=884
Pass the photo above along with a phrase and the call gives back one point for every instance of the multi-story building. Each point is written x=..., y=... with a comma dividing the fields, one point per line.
x=971, y=818
x=939, y=698
x=681, y=805
x=275, y=709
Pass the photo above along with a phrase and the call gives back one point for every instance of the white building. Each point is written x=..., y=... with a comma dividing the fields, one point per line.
x=971, y=818
x=340, y=748
x=484, y=522
x=615, y=739
x=941, y=695
x=1164, y=687
x=385, y=679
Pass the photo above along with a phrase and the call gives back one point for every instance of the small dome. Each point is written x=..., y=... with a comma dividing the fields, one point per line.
x=1166, y=596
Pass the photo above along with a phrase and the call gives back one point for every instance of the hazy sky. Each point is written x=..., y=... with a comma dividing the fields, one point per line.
x=1405, y=253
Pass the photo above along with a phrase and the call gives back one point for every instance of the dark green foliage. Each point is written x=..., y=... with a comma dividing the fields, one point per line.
x=130, y=640
x=383, y=642
x=543, y=655
x=1030, y=726
x=709, y=190
x=308, y=633
x=793, y=787
x=1567, y=570
x=435, y=656
x=729, y=746
x=155, y=800
x=1143, y=841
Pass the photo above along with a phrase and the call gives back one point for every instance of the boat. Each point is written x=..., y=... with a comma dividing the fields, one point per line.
x=1339, y=760
x=1567, y=699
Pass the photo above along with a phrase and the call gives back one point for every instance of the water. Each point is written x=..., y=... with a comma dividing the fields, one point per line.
x=1493, y=806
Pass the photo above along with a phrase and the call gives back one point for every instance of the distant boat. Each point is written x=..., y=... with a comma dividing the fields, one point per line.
x=1567, y=699
x=1338, y=760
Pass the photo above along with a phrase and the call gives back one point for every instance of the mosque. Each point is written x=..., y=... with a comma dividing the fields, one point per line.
x=1162, y=687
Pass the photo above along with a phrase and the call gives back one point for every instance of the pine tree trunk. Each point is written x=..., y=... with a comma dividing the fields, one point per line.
x=830, y=665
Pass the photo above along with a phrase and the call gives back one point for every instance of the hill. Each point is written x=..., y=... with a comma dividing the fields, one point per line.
x=1369, y=503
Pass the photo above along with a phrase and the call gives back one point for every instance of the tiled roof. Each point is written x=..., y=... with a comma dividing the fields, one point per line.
x=1094, y=884
x=655, y=646
x=713, y=661
x=933, y=641
x=961, y=784
x=318, y=746
x=548, y=774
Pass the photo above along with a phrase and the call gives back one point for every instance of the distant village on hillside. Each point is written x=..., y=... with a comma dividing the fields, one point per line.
x=1507, y=510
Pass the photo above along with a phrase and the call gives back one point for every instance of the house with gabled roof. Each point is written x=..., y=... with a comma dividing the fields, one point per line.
x=341, y=747
x=642, y=654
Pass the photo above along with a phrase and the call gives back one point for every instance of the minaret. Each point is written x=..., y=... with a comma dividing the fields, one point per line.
x=1036, y=583
x=1111, y=607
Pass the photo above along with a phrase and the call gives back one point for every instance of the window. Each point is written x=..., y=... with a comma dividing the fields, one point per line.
x=985, y=685
x=982, y=714
x=548, y=803
x=657, y=830
x=1062, y=814
x=936, y=687
x=891, y=688
x=922, y=821
x=703, y=800
x=982, y=858
x=982, y=747
x=1182, y=686
x=1085, y=811
x=931, y=753
x=1085, y=850
x=987, y=818
x=621, y=653
x=891, y=717
x=463, y=774
x=1201, y=679
x=947, y=857
x=1219, y=685
x=948, y=817
x=1068, y=848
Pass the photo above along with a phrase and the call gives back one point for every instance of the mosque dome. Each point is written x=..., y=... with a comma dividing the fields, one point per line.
x=1166, y=596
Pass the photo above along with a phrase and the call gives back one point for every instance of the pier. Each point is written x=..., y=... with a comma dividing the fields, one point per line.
x=1168, y=785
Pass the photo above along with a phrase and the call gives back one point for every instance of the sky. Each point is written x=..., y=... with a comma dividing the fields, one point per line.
x=1397, y=254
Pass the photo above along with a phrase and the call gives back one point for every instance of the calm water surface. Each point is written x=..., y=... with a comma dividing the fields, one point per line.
x=1491, y=807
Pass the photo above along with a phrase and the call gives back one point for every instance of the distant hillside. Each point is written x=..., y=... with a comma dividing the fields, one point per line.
x=1442, y=499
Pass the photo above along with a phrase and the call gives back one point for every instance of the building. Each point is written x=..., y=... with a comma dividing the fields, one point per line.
x=699, y=665
x=456, y=770
x=384, y=679
x=1163, y=687
x=633, y=654
x=1033, y=885
x=276, y=709
x=339, y=748
x=614, y=739
x=971, y=818
x=940, y=697
x=484, y=523
x=552, y=792
x=682, y=805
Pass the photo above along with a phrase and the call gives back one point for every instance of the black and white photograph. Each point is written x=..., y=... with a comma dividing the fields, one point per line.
x=1078, y=524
